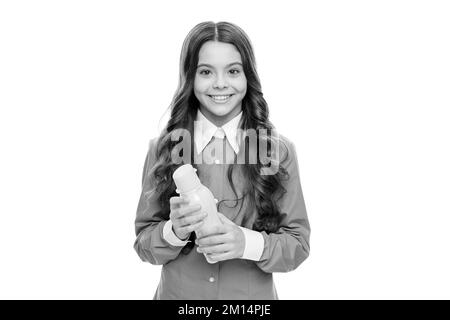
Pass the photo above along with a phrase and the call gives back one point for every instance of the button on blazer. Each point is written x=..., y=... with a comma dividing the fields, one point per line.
x=189, y=275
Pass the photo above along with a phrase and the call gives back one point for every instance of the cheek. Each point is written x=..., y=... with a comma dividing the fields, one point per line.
x=200, y=85
x=241, y=86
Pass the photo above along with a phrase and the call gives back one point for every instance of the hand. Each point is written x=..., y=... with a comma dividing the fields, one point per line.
x=225, y=243
x=185, y=218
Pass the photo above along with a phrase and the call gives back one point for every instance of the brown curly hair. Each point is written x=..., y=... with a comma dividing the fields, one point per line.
x=264, y=191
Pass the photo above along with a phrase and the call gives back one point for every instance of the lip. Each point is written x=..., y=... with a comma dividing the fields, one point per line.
x=220, y=102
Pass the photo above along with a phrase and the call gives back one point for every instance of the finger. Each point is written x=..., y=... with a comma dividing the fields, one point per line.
x=221, y=256
x=192, y=219
x=175, y=202
x=221, y=248
x=185, y=211
x=189, y=210
x=191, y=228
x=212, y=240
x=216, y=230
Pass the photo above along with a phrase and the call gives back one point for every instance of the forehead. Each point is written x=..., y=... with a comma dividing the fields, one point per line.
x=218, y=53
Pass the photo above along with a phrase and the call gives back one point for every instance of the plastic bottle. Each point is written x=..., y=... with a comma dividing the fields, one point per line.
x=189, y=187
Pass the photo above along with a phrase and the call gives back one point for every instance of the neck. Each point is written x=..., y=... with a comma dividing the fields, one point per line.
x=219, y=121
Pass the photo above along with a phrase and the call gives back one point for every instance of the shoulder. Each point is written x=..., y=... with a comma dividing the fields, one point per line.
x=150, y=159
x=152, y=144
x=287, y=150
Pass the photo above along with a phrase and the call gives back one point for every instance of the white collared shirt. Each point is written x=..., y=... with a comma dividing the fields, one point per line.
x=204, y=131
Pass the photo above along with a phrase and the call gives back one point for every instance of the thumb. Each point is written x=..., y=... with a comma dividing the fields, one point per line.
x=224, y=219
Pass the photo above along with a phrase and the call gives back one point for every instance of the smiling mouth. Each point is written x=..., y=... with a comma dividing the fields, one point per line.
x=220, y=98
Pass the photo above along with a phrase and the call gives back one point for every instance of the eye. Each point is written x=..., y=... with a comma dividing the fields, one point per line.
x=235, y=71
x=205, y=72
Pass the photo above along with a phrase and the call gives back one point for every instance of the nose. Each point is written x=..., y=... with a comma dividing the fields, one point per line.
x=220, y=82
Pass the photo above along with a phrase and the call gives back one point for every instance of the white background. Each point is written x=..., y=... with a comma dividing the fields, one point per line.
x=360, y=87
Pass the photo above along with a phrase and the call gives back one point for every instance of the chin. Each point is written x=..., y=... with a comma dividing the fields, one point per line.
x=221, y=113
x=219, y=110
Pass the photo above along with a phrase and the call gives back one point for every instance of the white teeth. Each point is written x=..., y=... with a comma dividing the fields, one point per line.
x=221, y=98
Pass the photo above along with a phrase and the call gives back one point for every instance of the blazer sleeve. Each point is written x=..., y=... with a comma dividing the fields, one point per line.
x=287, y=248
x=150, y=244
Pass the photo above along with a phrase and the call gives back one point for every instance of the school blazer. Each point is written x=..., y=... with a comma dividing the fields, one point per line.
x=190, y=276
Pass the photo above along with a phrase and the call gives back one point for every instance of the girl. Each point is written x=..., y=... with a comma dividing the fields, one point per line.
x=265, y=226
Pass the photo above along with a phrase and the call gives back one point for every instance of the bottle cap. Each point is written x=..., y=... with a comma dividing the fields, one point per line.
x=186, y=178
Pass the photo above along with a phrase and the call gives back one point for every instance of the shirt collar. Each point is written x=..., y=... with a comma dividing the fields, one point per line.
x=204, y=130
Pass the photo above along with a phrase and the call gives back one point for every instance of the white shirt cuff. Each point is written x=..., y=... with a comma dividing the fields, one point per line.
x=171, y=237
x=254, y=244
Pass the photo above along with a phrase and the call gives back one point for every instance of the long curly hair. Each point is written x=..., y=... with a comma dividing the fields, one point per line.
x=263, y=191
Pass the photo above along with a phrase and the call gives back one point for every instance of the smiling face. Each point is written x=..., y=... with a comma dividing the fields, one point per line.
x=220, y=83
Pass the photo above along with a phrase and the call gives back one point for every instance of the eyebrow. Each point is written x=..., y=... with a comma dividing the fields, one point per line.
x=210, y=66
